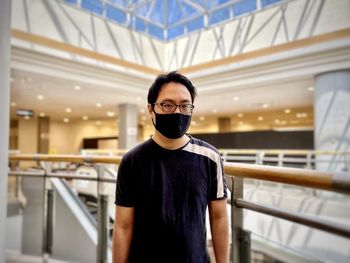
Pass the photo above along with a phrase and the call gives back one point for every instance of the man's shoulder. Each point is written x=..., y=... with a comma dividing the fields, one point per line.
x=198, y=146
x=204, y=144
x=138, y=151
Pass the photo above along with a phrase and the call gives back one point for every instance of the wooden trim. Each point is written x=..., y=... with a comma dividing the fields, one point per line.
x=65, y=158
x=54, y=44
x=295, y=176
x=270, y=50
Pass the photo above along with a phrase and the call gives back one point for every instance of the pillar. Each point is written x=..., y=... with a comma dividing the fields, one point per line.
x=43, y=135
x=5, y=26
x=224, y=124
x=332, y=117
x=127, y=126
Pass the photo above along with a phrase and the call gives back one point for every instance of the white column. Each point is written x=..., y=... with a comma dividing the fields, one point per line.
x=5, y=26
x=127, y=126
x=332, y=117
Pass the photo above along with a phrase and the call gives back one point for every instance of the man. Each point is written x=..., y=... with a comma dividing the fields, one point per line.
x=165, y=184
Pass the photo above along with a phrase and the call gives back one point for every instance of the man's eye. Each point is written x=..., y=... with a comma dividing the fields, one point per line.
x=168, y=105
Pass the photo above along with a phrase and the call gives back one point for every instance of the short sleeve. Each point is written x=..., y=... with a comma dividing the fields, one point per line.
x=218, y=187
x=125, y=193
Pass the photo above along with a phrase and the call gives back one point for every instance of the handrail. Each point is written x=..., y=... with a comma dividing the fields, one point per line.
x=307, y=220
x=287, y=151
x=305, y=177
x=66, y=158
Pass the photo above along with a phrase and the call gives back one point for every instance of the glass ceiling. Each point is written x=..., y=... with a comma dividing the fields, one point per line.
x=170, y=19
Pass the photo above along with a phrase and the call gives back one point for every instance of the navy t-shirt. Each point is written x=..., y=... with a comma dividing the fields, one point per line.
x=170, y=191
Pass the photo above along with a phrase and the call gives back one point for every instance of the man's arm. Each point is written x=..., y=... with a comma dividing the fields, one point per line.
x=122, y=233
x=219, y=229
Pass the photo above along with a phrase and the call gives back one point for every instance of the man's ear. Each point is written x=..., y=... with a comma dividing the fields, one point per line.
x=150, y=108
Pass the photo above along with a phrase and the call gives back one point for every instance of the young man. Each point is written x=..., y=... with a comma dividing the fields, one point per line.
x=165, y=185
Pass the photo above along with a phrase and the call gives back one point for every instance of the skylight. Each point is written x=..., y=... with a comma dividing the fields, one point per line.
x=170, y=19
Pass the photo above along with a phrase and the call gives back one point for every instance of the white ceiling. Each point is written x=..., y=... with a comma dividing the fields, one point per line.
x=60, y=93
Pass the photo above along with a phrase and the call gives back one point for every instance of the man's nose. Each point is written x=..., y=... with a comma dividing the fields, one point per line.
x=177, y=109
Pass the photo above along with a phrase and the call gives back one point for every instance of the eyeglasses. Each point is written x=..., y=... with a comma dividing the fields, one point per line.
x=169, y=107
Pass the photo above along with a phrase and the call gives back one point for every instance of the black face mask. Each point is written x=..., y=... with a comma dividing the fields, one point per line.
x=172, y=126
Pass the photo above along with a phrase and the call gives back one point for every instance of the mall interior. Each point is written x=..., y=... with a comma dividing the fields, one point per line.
x=273, y=83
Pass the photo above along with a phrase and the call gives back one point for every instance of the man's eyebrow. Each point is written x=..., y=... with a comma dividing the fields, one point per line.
x=172, y=101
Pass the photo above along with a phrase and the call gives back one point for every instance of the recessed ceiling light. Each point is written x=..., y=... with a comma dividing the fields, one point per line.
x=68, y=110
x=42, y=114
x=265, y=105
x=239, y=115
x=142, y=110
x=260, y=118
x=110, y=113
x=98, y=122
x=98, y=105
x=77, y=87
x=40, y=97
x=235, y=98
x=65, y=120
x=143, y=118
x=26, y=117
x=301, y=115
x=13, y=104
x=310, y=88
x=201, y=118
x=277, y=121
x=287, y=111
x=85, y=118
x=214, y=110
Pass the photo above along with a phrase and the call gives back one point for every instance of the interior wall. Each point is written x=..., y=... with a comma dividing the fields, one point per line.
x=27, y=138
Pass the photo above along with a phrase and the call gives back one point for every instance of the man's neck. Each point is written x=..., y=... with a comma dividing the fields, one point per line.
x=170, y=144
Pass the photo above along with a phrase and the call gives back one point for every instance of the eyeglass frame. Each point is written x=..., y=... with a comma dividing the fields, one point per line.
x=188, y=106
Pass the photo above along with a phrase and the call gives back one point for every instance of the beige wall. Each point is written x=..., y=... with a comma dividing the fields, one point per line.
x=67, y=138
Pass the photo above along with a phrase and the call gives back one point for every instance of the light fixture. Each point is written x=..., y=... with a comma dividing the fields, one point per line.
x=214, y=110
x=260, y=118
x=85, y=118
x=239, y=115
x=26, y=117
x=310, y=88
x=235, y=98
x=277, y=121
x=42, y=114
x=68, y=110
x=65, y=120
x=98, y=105
x=142, y=110
x=143, y=118
x=201, y=118
x=301, y=115
x=265, y=105
x=110, y=113
x=77, y=87
x=13, y=104
x=287, y=111
x=40, y=97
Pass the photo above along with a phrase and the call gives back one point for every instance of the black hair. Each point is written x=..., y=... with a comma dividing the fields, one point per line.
x=172, y=76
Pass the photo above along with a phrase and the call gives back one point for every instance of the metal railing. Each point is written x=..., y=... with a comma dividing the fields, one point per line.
x=235, y=172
